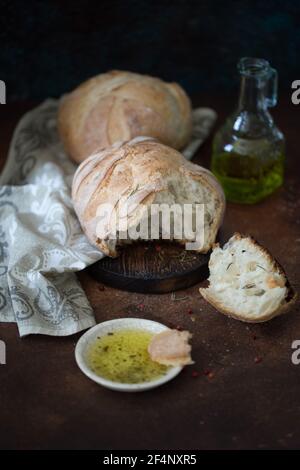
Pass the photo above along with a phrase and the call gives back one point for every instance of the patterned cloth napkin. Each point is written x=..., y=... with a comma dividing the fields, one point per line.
x=41, y=241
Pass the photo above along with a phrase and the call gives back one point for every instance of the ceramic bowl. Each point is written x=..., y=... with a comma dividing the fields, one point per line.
x=102, y=329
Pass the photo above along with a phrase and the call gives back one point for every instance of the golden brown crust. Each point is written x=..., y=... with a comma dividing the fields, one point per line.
x=290, y=301
x=136, y=170
x=120, y=106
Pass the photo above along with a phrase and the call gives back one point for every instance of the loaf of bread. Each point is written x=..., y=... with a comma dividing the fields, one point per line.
x=118, y=106
x=246, y=282
x=142, y=173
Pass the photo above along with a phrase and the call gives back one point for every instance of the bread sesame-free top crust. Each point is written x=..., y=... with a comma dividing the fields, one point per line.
x=140, y=171
x=121, y=105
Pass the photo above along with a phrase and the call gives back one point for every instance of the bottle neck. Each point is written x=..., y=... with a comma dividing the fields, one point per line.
x=251, y=95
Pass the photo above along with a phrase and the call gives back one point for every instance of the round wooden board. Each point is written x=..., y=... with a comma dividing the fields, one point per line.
x=152, y=267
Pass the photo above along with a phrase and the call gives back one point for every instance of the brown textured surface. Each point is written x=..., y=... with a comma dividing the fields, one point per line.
x=252, y=399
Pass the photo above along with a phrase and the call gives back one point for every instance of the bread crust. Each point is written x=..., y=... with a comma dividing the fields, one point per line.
x=222, y=309
x=121, y=105
x=290, y=298
x=137, y=170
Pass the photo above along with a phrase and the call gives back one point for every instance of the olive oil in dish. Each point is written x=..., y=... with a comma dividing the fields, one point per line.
x=122, y=356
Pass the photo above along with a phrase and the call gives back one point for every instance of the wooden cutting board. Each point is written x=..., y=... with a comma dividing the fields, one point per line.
x=152, y=267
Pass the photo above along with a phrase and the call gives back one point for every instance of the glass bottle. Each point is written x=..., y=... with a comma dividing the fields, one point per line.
x=249, y=151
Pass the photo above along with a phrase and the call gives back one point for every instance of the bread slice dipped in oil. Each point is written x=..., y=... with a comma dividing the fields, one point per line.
x=246, y=282
x=171, y=348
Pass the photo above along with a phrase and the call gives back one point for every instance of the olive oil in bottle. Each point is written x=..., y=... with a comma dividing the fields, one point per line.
x=249, y=151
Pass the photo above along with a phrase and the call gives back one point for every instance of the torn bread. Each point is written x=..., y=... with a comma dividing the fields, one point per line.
x=171, y=348
x=246, y=282
x=142, y=175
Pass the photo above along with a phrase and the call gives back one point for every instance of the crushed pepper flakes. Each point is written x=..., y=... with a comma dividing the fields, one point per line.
x=195, y=373
x=257, y=359
x=208, y=373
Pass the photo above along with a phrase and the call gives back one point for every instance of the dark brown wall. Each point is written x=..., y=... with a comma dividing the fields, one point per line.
x=49, y=46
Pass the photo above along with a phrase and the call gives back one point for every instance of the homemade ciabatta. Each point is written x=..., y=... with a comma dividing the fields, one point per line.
x=120, y=105
x=246, y=282
x=142, y=174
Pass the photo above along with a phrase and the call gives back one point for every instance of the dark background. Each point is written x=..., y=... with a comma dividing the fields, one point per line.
x=48, y=47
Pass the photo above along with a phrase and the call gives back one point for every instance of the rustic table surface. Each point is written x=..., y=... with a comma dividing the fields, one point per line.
x=243, y=390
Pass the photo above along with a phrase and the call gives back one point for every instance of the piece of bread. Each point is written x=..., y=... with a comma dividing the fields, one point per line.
x=120, y=105
x=246, y=282
x=141, y=173
x=171, y=348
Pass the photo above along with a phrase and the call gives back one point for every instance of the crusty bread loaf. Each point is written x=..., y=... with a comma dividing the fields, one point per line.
x=118, y=106
x=140, y=173
x=246, y=282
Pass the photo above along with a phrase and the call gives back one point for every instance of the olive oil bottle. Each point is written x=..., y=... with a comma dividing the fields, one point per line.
x=249, y=150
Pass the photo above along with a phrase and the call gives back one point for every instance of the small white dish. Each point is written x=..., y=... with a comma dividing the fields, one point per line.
x=102, y=329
